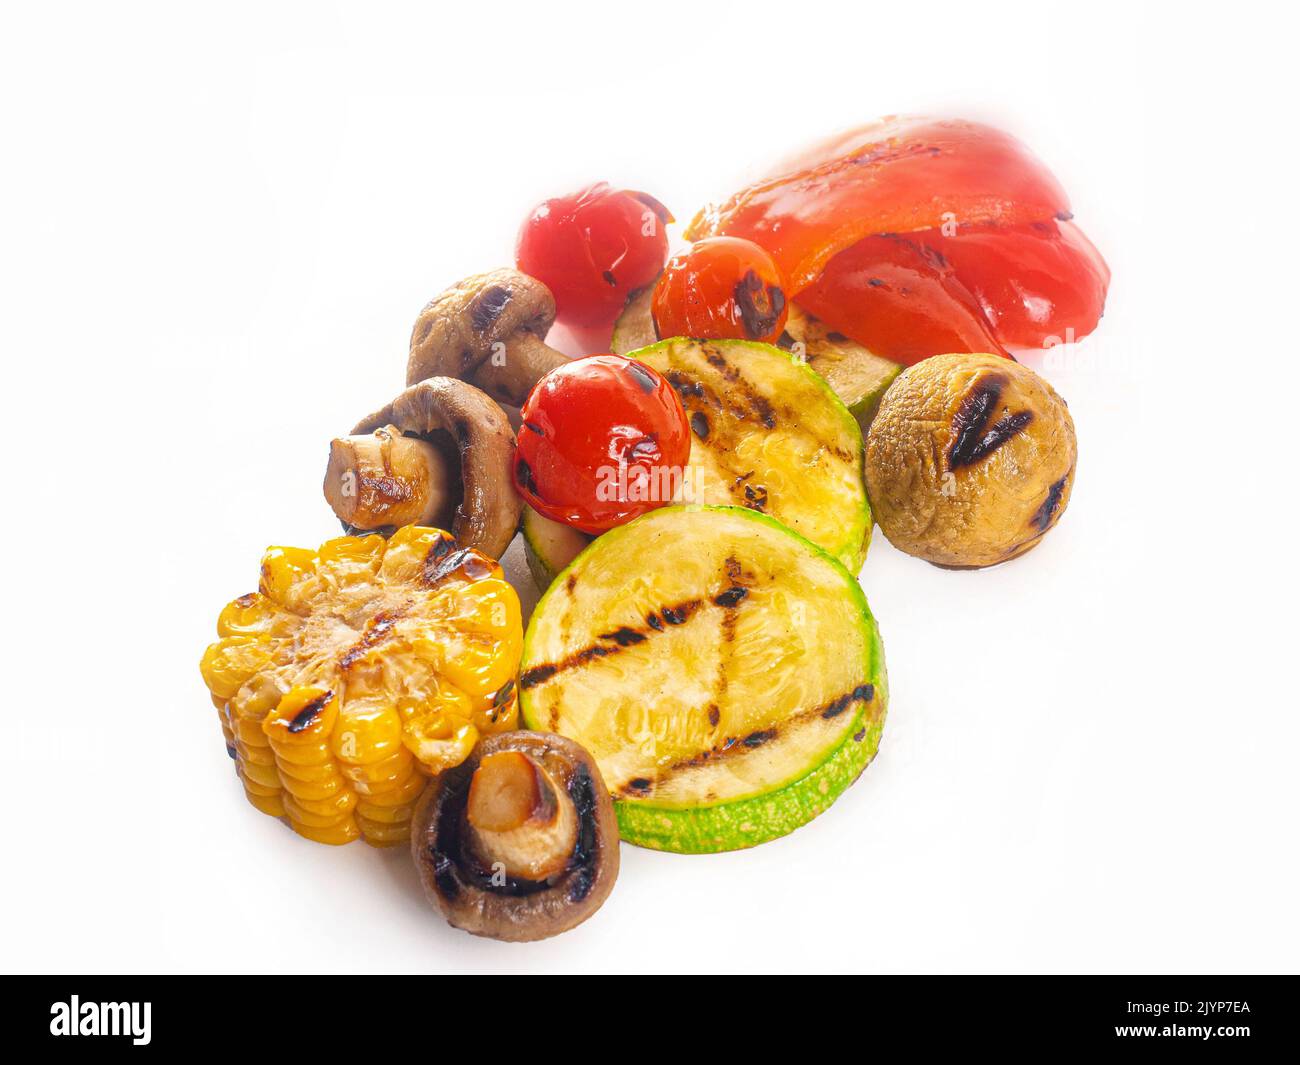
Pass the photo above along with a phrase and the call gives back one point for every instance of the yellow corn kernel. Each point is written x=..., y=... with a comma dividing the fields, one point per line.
x=366, y=731
x=437, y=754
x=378, y=775
x=320, y=813
x=350, y=559
x=344, y=831
x=500, y=713
x=385, y=834
x=284, y=571
x=402, y=793
x=358, y=670
x=246, y=616
x=387, y=815
x=409, y=551
x=229, y=663
x=263, y=756
x=328, y=786
x=268, y=804
x=469, y=660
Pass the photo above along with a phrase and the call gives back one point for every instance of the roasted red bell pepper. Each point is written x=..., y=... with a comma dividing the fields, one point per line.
x=921, y=236
x=897, y=296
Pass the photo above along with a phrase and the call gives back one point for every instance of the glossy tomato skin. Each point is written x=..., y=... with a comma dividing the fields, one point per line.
x=601, y=437
x=722, y=288
x=594, y=249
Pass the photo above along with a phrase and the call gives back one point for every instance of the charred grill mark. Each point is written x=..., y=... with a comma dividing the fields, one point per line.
x=1043, y=516
x=685, y=386
x=571, y=583
x=714, y=714
x=377, y=630
x=441, y=548
x=760, y=306
x=700, y=424
x=524, y=475
x=733, y=746
x=638, y=785
x=972, y=437
x=860, y=735
x=678, y=615
x=624, y=637
x=758, y=403
x=730, y=597
x=618, y=640
x=309, y=713
x=489, y=306
x=863, y=693
x=464, y=562
x=643, y=377
x=755, y=496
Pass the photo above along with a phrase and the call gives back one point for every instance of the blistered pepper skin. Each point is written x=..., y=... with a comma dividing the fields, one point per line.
x=358, y=671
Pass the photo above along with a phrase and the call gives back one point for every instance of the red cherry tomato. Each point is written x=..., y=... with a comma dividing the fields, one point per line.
x=604, y=439
x=593, y=249
x=722, y=288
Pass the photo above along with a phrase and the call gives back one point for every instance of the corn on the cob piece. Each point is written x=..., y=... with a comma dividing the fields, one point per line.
x=357, y=671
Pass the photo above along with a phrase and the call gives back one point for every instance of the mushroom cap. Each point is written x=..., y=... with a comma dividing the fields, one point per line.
x=517, y=911
x=970, y=460
x=460, y=328
x=487, y=516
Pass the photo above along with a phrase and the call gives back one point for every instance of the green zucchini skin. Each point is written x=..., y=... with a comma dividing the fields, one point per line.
x=749, y=820
x=549, y=546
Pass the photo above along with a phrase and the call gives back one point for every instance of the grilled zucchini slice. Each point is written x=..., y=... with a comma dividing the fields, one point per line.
x=725, y=673
x=549, y=546
x=856, y=375
x=768, y=434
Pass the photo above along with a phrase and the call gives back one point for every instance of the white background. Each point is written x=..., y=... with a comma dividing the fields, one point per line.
x=218, y=228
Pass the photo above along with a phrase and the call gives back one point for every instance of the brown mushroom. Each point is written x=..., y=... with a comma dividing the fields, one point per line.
x=970, y=460
x=519, y=842
x=489, y=330
x=393, y=469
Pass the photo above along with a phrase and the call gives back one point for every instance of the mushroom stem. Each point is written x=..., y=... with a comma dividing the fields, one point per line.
x=518, y=819
x=509, y=374
x=387, y=479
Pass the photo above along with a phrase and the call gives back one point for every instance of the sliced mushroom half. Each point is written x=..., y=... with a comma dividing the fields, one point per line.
x=519, y=842
x=394, y=469
x=489, y=329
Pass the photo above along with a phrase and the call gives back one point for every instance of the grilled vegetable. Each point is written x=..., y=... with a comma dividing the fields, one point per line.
x=725, y=673
x=720, y=288
x=602, y=440
x=549, y=546
x=356, y=670
x=519, y=842
x=970, y=461
x=767, y=433
x=857, y=376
